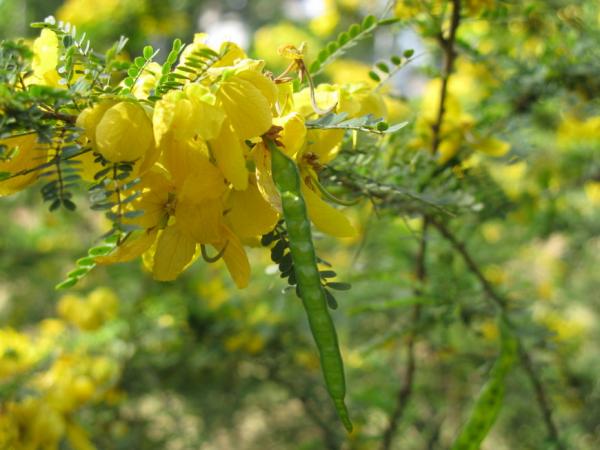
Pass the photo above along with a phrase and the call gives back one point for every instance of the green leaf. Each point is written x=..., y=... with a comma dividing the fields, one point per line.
x=69, y=204
x=382, y=126
x=408, y=53
x=373, y=75
x=389, y=21
x=77, y=273
x=332, y=47
x=327, y=274
x=383, y=67
x=369, y=22
x=66, y=284
x=148, y=52
x=354, y=30
x=343, y=38
x=338, y=286
x=331, y=301
x=86, y=261
x=101, y=250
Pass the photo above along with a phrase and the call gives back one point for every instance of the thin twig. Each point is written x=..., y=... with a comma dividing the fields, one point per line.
x=44, y=165
x=541, y=396
x=501, y=303
x=447, y=44
x=407, y=388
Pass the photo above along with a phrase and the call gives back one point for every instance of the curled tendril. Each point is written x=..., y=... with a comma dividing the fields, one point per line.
x=329, y=196
x=212, y=259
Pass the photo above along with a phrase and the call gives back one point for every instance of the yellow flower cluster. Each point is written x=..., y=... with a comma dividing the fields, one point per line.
x=409, y=9
x=57, y=379
x=205, y=172
x=457, y=127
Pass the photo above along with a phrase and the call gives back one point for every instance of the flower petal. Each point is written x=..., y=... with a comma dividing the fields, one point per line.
x=136, y=244
x=246, y=106
x=325, y=217
x=124, y=133
x=24, y=154
x=174, y=250
x=235, y=258
x=249, y=214
x=229, y=154
x=200, y=220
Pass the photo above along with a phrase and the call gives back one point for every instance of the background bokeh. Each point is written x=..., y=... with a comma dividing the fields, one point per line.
x=198, y=364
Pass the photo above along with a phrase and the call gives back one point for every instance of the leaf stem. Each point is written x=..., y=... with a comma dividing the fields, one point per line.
x=406, y=390
x=501, y=303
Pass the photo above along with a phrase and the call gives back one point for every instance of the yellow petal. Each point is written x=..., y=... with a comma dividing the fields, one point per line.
x=285, y=97
x=89, y=118
x=157, y=191
x=249, y=214
x=78, y=438
x=448, y=148
x=174, y=250
x=325, y=217
x=135, y=244
x=21, y=153
x=173, y=114
x=262, y=83
x=202, y=181
x=293, y=135
x=188, y=158
x=148, y=160
x=124, y=133
x=235, y=258
x=45, y=58
x=324, y=143
x=229, y=154
x=231, y=53
x=207, y=117
x=264, y=179
x=492, y=147
x=247, y=108
x=200, y=220
x=326, y=96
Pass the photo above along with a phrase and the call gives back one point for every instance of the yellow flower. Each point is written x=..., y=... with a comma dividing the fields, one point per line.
x=229, y=153
x=183, y=207
x=243, y=98
x=45, y=59
x=324, y=216
x=293, y=133
x=185, y=115
x=20, y=153
x=147, y=80
x=124, y=133
x=249, y=214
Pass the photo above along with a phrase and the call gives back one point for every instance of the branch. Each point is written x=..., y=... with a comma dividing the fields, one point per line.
x=52, y=162
x=501, y=303
x=447, y=44
x=407, y=388
x=67, y=118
